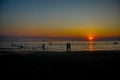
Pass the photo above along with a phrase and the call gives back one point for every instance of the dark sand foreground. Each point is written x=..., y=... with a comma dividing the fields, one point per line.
x=57, y=65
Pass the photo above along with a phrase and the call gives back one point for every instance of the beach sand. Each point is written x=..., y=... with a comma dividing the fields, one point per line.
x=56, y=65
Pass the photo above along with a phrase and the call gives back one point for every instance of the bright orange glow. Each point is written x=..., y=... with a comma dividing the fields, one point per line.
x=90, y=38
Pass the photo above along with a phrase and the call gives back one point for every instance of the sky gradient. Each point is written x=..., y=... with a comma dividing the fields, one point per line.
x=60, y=18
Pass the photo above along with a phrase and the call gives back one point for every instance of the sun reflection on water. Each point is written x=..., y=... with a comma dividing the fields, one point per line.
x=90, y=46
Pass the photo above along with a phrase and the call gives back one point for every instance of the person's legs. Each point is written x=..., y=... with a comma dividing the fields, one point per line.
x=67, y=49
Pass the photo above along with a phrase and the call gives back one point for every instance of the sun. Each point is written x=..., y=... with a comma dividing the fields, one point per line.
x=90, y=38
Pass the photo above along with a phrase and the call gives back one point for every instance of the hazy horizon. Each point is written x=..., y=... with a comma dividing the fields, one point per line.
x=2, y=38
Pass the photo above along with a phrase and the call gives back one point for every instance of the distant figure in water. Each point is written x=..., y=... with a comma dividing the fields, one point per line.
x=21, y=47
x=68, y=47
x=13, y=44
x=115, y=42
x=50, y=43
x=43, y=46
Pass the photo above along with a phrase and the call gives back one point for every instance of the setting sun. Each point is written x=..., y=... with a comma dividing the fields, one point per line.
x=90, y=38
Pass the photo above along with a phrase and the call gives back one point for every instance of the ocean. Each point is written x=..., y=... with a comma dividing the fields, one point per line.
x=36, y=45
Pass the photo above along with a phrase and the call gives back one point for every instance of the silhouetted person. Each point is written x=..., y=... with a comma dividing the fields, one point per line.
x=21, y=47
x=50, y=43
x=43, y=46
x=13, y=44
x=68, y=47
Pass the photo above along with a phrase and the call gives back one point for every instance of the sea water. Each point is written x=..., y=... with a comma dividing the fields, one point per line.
x=36, y=45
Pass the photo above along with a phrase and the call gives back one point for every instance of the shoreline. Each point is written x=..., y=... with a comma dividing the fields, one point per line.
x=5, y=52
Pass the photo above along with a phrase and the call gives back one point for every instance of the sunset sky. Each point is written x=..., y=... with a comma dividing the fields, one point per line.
x=60, y=18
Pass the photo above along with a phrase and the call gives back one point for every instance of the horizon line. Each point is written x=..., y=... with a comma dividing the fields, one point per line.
x=62, y=38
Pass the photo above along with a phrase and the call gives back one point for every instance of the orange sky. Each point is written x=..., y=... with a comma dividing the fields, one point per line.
x=60, y=18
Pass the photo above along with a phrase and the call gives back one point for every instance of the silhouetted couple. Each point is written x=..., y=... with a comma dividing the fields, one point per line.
x=43, y=46
x=68, y=47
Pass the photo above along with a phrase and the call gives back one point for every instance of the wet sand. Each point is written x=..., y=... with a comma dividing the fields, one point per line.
x=55, y=65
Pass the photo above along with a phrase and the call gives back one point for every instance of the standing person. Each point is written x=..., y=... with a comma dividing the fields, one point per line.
x=43, y=46
x=68, y=47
